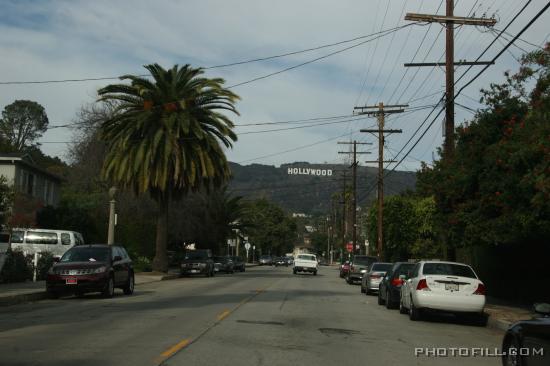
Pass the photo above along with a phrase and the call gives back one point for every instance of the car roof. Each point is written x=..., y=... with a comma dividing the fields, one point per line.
x=444, y=262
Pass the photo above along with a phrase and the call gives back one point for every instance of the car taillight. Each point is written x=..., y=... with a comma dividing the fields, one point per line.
x=480, y=289
x=397, y=282
x=422, y=285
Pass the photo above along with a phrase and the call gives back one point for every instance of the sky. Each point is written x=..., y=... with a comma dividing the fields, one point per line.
x=59, y=40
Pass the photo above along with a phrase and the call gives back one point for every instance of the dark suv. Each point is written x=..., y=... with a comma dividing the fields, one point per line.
x=91, y=268
x=197, y=262
x=359, y=267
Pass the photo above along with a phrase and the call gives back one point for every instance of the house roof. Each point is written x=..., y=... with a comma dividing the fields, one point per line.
x=26, y=160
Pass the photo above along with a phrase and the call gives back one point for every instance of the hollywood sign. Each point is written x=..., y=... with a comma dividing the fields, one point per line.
x=308, y=171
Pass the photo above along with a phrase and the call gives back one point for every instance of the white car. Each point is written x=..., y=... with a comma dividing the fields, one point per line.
x=305, y=263
x=444, y=286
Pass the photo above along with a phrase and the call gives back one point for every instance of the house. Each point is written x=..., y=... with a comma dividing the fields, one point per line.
x=34, y=187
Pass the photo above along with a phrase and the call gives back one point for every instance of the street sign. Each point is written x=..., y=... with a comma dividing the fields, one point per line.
x=247, y=246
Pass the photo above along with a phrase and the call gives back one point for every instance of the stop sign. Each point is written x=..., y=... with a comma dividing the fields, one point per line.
x=349, y=247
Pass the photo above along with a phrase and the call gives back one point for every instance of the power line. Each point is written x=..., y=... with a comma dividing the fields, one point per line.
x=206, y=68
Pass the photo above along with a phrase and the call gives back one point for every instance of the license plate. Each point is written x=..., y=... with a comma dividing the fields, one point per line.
x=451, y=287
x=194, y=270
x=71, y=281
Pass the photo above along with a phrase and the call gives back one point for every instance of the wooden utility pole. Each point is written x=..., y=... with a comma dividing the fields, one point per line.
x=449, y=20
x=343, y=202
x=381, y=113
x=354, y=185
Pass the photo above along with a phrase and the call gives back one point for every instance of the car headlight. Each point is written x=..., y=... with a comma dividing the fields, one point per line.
x=363, y=271
x=202, y=265
x=100, y=269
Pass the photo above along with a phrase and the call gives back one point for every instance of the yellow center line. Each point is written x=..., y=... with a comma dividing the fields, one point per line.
x=172, y=350
x=223, y=315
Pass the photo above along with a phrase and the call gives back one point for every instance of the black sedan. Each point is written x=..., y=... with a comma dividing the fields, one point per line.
x=527, y=342
x=389, y=290
x=238, y=263
x=91, y=268
x=223, y=264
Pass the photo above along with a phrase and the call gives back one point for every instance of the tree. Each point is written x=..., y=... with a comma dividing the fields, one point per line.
x=6, y=200
x=164, y=138
x=22, y=123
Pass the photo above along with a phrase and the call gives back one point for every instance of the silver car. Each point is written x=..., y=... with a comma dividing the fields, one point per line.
x=371, y=280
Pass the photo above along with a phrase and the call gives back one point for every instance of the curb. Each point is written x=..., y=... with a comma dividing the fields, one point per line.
x=498, y=324
x=43, y=295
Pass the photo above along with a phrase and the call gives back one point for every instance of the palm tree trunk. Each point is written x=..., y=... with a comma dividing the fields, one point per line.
x=160, y=262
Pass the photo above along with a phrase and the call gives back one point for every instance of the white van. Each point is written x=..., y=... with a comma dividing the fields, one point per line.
x=57, y=242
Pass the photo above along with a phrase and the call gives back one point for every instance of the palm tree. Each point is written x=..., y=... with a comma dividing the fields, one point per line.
x=164, y=138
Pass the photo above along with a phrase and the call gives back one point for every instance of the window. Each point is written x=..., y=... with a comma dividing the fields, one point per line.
x=115, y=252
x=65, y=239
x=86, y=254
x=17, y=236
x=448, y=269
x=41, y=237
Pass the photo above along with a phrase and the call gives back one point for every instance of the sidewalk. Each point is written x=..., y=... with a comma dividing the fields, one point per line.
x=16, y=293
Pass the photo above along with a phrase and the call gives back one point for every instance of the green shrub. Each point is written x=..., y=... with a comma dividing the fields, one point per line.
x=45, y=262
x=17, y=268
x=142, y=264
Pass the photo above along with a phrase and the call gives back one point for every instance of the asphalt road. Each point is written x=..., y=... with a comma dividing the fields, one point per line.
x=266, y=316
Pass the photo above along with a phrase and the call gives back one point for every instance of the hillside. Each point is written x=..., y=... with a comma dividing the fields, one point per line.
x=310, y=193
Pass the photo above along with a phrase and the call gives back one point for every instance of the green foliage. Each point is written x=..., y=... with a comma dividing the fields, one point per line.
x=22, y=123
x=496, y=187
x=6, y=199
x=142, y=264
x=45, y=262
x=17, y=268
x=409, y=230
x=271, y=229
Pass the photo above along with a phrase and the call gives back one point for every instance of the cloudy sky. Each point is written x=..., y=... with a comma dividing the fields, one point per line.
x=57, y=40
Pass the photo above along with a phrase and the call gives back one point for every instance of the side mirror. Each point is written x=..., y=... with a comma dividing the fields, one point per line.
x=117, y=258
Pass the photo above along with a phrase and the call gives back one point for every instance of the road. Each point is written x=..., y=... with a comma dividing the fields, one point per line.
x=265, y=316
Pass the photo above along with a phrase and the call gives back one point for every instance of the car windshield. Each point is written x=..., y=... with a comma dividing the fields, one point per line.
x=363, y=261
x=306, y=257
x=86, y=254
x=448, y=269
x=382, y=267
x=196, y=255
x=221, y=259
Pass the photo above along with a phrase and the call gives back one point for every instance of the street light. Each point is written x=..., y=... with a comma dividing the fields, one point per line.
x=112, y=202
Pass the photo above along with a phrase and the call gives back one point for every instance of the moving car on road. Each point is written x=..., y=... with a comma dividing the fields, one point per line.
x=238, y=263
x=197, y=262
x=223, y=264
x=359, y=267
x=305, y=263
x=280, y=261
x=389, y=290
x=531, y=335
x=91, y=268
x=266, y=260
x=443, y=286
x=371, y=279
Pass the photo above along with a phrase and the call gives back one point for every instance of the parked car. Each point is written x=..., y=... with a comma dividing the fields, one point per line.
x=91, y=268
x=305, y=263
x=238, y=263
x=344, y=269
x=290, y=260
x=56, y=242
x=371, y=279
x=266, y=260
x=358, y=267
x=532, y=335
x=223, y=264
x=280, y=261
x=443, y=286
x=197, y=261
x=389, y=290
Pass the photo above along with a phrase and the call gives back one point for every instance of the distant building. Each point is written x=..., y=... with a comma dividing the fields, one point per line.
x=299, y=214
x=34, y=186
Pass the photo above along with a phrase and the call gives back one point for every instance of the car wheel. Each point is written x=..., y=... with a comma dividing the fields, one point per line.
x=315, y=273
x=380, y=300
x=389, y=304
x=511, y=350
x=414, y=312
x=129, y=288
x=402, y=309
x=109, y=289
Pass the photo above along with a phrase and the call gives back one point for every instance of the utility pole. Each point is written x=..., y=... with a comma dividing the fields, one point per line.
x=380, y=113
x=343, y=202
x=450, y=20
x=354, y=185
